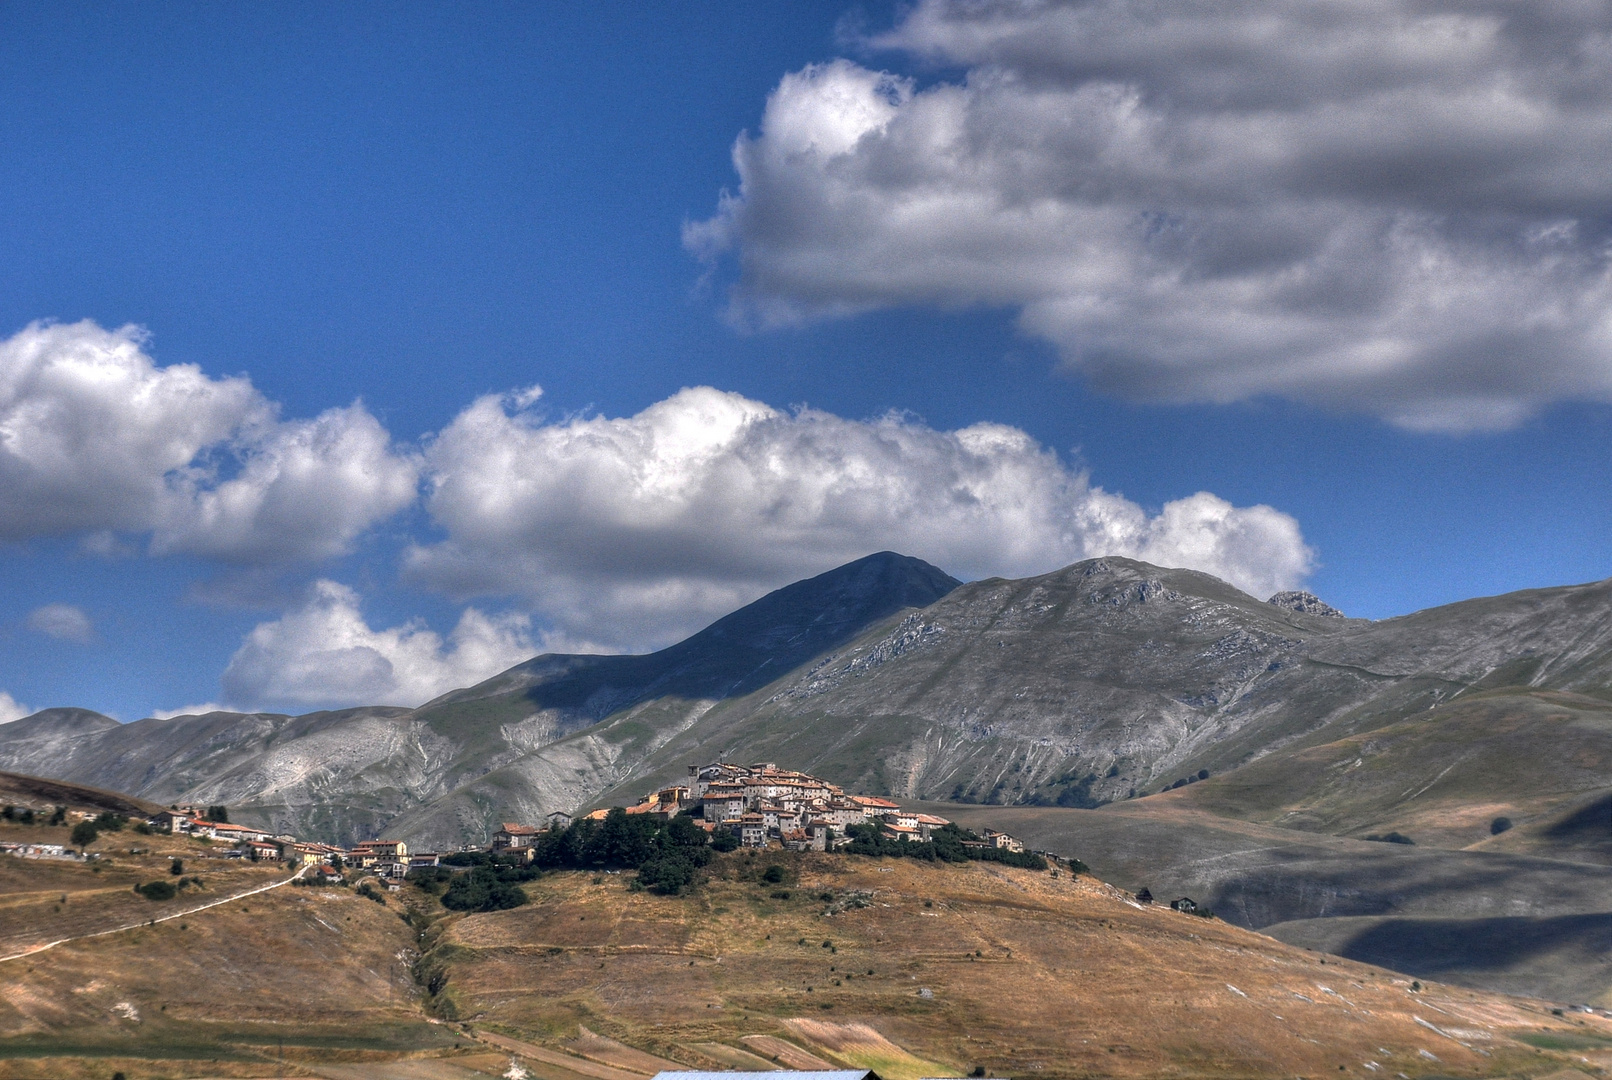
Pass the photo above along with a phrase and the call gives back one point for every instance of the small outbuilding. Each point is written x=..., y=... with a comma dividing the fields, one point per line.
x=1185, y=903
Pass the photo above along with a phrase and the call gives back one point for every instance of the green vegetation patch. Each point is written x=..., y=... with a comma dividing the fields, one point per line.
x=667, y=855
x=201, y=1040
x=949, y=843
x=1565, y=1040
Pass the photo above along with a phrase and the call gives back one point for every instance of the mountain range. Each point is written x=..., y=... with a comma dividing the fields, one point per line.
x=1101, y=682
x=1480, y=732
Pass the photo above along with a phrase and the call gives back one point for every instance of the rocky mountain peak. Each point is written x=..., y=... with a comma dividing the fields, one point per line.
x=1306, y=603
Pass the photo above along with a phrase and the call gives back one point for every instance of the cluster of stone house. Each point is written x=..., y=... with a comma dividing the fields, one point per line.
x=766, y=806
x=386, y=858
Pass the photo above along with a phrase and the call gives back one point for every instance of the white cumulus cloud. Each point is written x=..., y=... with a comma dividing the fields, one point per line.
x=96, y=439
x=305, y=490
x=325, y=654
x=11, y=709
x=1397, y=206
x=631, y=531
x=64, y=622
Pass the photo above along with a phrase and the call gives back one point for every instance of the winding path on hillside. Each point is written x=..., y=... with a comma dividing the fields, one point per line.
x=37, y=949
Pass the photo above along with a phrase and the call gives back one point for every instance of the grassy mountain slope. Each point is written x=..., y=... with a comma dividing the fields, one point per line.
x=1110, y=678
x=37, y=792
x=1442, y=777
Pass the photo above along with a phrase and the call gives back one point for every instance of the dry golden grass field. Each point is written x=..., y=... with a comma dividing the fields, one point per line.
x=908, y=968
x=1025, y=973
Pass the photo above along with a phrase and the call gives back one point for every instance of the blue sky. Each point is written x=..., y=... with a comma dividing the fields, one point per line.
x=415, y=208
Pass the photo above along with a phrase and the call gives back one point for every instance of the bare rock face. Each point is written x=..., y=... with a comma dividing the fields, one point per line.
x=1306, y=602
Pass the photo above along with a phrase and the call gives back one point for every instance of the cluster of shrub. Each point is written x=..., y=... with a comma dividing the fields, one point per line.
x=85, y=832
x=668, y=855
x=1202, y=774
x=945, y=845
x=26, y=815
x=167, y=890
x=492, y=882
x=369, y=892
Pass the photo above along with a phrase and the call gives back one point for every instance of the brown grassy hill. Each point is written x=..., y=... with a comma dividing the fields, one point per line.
x=211, y=992
x=44, y=900
x=918, y=969
x=16, y=789
x=1026, y=974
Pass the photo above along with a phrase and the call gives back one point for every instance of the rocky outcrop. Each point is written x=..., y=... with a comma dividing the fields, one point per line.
x=1305, y=602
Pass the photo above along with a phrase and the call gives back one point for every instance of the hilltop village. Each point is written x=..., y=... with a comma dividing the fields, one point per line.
x=752, y=806
x=764, y=806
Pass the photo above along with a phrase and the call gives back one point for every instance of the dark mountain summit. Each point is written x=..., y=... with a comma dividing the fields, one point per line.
x=736, y=654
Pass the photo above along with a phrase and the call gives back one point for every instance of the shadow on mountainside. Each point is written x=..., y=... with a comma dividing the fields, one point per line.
x=1520, y=923
x=1591, y=823
x=734, y=655
x=1566, y=958
x=1259, y=875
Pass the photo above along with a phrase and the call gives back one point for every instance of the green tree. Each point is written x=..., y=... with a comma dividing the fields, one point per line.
x=669, y=874
x=176, y=867
x=219, y=814
x=481, y=889
x=84, y=834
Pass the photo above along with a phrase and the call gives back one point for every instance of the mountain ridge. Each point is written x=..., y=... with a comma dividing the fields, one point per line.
x=1101, y=681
